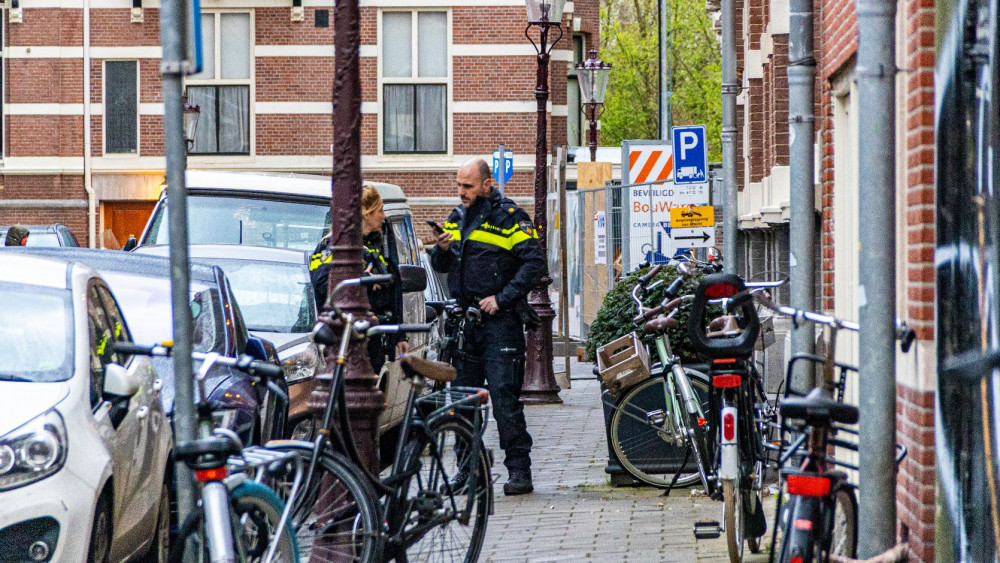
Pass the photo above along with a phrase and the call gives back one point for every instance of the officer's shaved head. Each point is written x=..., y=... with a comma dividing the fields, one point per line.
x=474, y=179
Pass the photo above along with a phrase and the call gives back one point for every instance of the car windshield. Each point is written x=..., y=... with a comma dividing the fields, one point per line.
x=273, y=296
x=36, y=333
x=241, y=220
x=145, y=302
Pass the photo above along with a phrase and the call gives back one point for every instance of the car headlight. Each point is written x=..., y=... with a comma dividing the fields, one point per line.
x=224, y=418
x=33, y=451
x=302, y=365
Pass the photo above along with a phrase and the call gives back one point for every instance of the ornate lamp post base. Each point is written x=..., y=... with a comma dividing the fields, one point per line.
x=539, y=378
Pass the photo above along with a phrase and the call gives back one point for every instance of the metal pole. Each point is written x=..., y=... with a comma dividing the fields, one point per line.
x=592, y=117
x=539, y=378
x=564, y=265
x=802, y=227
x=876, y=74
x=502, y=175
x=172, y=17
x=730, y=225
x=661, y=19
x=364, y=401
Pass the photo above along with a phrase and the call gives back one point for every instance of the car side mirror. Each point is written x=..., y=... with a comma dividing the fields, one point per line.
x=430, y=314
x=255, y=349
x=130, y=244
x=413, y=278
x=117, y=382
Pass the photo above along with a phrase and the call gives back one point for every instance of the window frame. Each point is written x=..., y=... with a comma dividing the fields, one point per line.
x=217, y=81
x=446, y=81
x=138, y=109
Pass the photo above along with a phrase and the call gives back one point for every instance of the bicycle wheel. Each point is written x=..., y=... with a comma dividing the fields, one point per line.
x=645, y=450
x=256, y=512
x=425, y=520
x=734, y=517
x=844, y=537
x=336, y=516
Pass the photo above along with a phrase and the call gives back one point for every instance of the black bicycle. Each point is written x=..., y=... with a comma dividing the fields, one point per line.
x=820, y=519
x=438, y=494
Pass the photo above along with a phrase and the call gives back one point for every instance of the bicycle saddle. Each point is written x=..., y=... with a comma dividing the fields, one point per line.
x=218, y=449
x=817, y=406
x=438, y=371
x=723, y=327
x=660, y=324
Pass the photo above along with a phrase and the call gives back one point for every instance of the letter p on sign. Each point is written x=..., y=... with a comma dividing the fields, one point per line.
x=690, y=154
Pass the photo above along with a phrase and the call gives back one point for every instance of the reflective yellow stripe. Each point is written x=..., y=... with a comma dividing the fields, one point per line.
x=504, y=242
x=318, y=260
x=455, y=233
x=450, y=226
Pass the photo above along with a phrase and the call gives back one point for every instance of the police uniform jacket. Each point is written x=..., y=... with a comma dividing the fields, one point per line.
x=494, y=251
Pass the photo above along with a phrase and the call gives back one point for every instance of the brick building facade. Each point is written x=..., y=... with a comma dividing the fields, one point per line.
x=442, y=81
x=763, y=177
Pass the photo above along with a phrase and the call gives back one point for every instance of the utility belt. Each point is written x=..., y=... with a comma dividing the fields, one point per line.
x=520, y=310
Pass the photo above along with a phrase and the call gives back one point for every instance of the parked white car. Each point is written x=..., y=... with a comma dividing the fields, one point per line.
x=84, y=443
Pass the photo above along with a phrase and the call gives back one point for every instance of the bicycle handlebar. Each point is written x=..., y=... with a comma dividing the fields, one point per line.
x=644, y=280
x=243, y=363
x=903, y=332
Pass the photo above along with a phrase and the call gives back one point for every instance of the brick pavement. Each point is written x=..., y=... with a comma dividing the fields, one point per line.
x=574, y=514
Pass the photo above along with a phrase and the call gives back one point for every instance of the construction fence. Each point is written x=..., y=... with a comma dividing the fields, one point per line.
x=614, y=229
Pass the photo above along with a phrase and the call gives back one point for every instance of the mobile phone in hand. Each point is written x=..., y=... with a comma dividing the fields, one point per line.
x=437, y=228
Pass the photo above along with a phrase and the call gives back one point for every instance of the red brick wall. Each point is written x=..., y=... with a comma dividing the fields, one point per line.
x=915, y=427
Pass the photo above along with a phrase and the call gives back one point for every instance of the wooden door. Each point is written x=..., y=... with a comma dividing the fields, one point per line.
x=125, y=218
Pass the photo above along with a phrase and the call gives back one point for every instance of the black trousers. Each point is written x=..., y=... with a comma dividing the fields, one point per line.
x=493, y=352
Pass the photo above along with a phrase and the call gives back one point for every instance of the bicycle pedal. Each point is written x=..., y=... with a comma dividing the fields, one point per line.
x=707, y=530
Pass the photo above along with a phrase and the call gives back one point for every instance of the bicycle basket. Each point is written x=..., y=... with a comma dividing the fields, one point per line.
x=623, y=363
x=462, y=400
x=739, y=333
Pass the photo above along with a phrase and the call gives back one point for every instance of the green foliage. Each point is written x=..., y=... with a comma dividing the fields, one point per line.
x=614, y=318
x=629, y=41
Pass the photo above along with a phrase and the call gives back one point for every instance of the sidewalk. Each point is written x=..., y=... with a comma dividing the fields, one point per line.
x=574, y=514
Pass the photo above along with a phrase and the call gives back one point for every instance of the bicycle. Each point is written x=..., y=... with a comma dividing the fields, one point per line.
x=440, y=439
x=656, y=424
x=820, y=519
x=237, y=519
x=741, y=413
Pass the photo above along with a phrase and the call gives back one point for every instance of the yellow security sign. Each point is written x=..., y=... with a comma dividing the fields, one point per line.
x=689, y=217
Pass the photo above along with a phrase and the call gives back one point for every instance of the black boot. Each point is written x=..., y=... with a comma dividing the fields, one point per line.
x=459, y=482
x=518, y=482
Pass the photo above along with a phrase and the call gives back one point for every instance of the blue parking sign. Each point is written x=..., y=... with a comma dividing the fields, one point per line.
x=507, y=169
x=690, y=154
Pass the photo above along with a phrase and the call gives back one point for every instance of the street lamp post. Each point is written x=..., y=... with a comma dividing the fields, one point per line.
x=191, y=115
x=539, y=380
x=364, y=401
x=592, y=75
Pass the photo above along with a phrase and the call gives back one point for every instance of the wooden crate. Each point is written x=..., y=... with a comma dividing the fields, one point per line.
x=623, y=363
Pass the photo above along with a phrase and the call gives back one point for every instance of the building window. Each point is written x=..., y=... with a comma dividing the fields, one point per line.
x=414, y=82
x=222, y=89
x=121, y=107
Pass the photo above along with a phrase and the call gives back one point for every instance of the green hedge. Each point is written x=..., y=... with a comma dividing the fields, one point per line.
x=614, y=319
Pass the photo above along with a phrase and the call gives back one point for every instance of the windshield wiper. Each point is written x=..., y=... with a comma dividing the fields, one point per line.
x=18, y=378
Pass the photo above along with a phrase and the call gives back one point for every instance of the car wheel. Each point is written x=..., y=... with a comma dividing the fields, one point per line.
x=100, y=532
x=160, y=549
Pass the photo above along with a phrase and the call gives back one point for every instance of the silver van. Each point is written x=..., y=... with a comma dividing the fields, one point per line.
x=291, y=211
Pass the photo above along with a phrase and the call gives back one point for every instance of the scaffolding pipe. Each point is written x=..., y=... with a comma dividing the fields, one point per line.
x=876, y=74
x=802, y=227
x=730, y=87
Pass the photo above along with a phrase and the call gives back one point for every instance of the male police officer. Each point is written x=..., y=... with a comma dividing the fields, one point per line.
x=491, y=254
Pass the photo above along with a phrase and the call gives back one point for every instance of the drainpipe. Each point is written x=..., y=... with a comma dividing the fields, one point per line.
x=88, y=179
x=730, y=87
x=802, y=227
x=876, y=74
